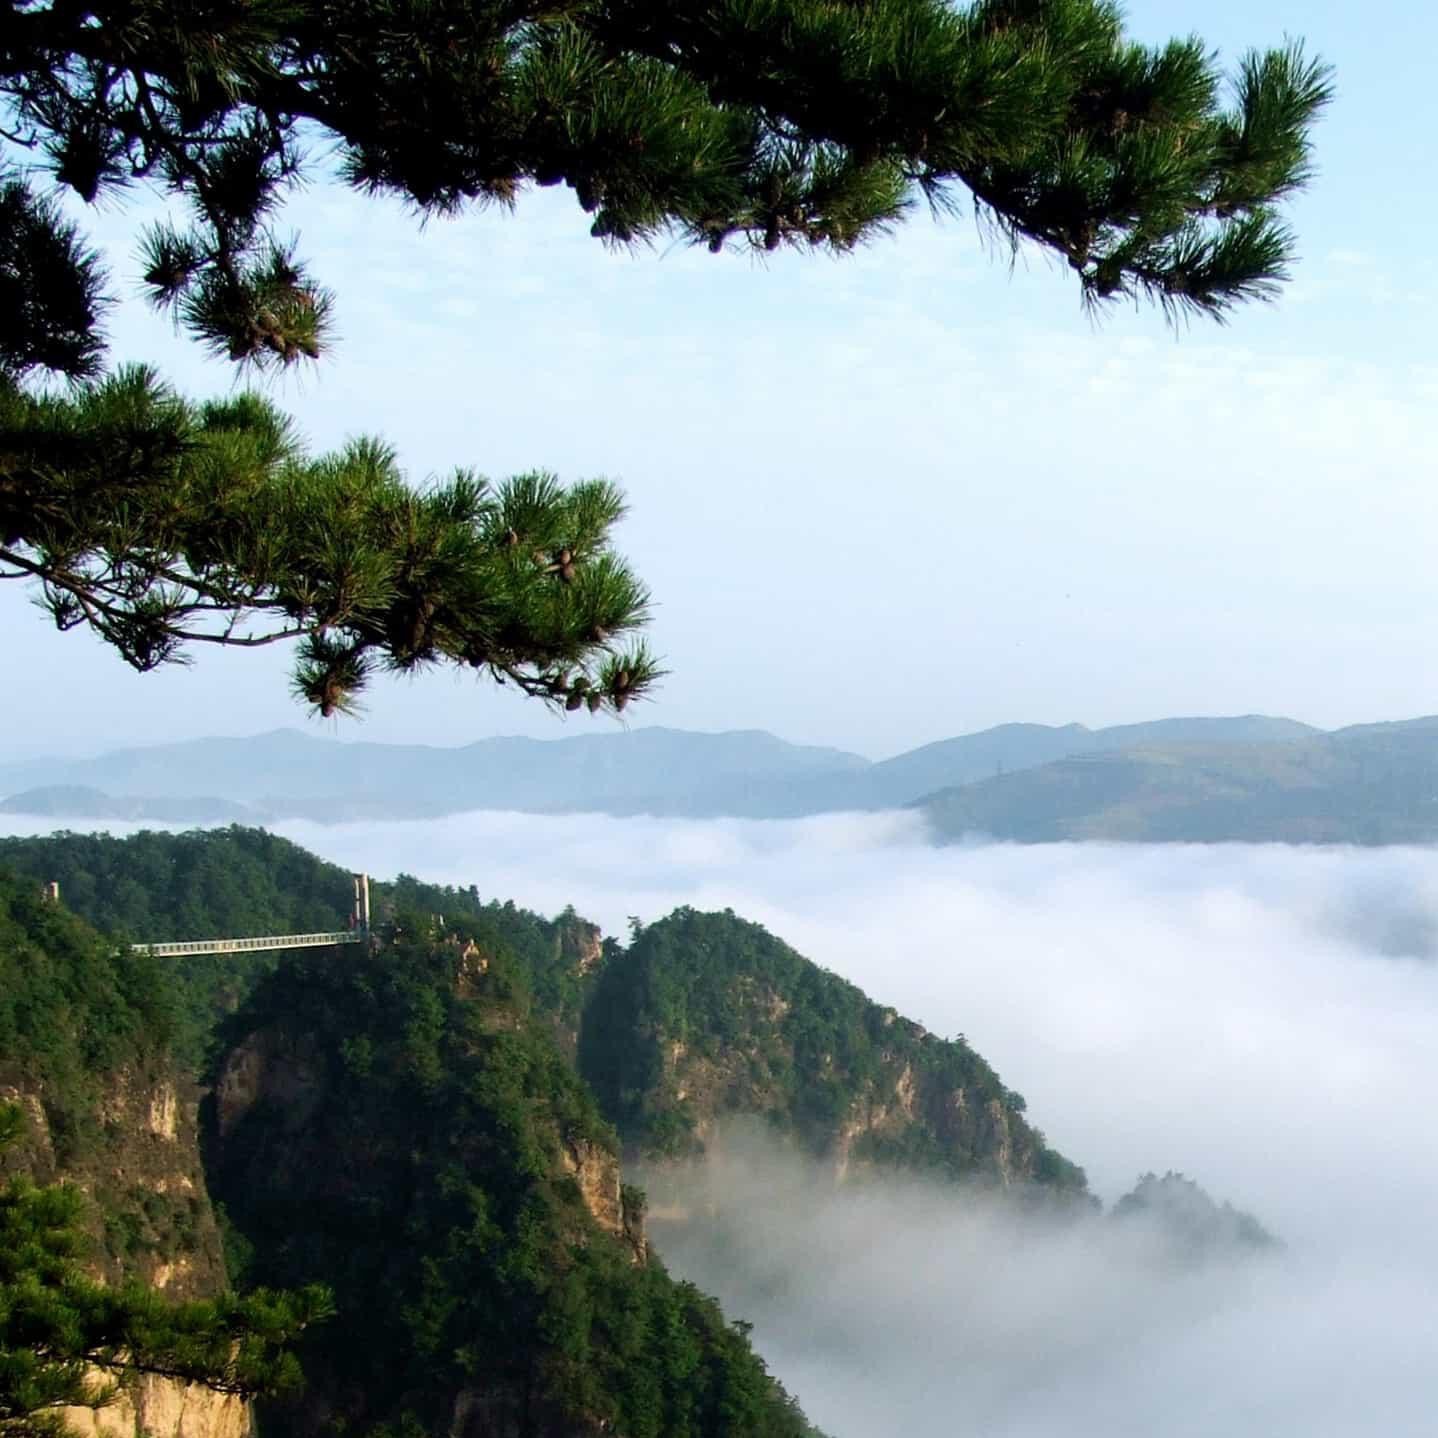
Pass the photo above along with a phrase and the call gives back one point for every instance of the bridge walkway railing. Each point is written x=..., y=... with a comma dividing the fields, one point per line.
x=249, y=946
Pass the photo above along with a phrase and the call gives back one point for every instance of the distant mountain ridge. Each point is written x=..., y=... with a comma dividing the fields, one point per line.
x=78, y=801
x=1201, y=780
x=289, y=773
x=1368, y=784
x=661, y=771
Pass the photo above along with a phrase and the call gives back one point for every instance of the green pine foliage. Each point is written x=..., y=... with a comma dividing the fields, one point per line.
x=461, y=1253
x=708, y=1016
x=161, y=524
x=1148, y=169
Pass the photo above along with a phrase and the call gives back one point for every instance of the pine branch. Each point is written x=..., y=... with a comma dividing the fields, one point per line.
x=766, y=122
x=161, y=525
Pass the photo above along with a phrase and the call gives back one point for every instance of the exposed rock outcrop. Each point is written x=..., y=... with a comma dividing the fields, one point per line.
x=272, y=1068
x=581, y=944
x=163, y=1408
x=706, y=1018
x=138, y=1160
x=139, y=1163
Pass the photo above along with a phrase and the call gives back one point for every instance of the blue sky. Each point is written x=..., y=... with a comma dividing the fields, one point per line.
x=915, y=492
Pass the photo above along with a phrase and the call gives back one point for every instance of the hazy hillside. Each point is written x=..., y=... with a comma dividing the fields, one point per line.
x=1371, y=784
x=654, y=770
x=78, y=801
x=1009, y=748
x=617, y=771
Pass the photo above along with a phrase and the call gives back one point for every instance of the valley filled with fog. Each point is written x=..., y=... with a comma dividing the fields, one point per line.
x=1261, y=1019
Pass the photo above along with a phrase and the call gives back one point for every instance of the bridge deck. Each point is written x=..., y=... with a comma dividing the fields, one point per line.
x=249, y=946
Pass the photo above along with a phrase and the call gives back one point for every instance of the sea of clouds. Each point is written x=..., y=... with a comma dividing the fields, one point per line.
x=1263, y=1019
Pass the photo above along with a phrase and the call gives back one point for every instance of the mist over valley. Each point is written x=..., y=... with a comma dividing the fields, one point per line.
x=1258, y=1018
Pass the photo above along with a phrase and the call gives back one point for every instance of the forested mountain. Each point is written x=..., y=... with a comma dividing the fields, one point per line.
x=432, y=1126
x=701, y=1017
x=1371, y=784
x=235, y=882
x=488, y=1265
x=1187, y=1222
x=654, y=770
x=707, y=1017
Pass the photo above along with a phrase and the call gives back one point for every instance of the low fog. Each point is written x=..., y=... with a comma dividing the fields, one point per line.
x=908, y=1308
x=1262, y=1019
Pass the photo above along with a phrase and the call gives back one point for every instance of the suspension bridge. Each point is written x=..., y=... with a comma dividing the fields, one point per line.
x=357, y=933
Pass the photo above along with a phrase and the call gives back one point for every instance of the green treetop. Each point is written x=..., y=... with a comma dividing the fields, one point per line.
x=810, y=123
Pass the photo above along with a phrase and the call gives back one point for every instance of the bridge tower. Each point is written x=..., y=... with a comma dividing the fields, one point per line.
x=361, y=913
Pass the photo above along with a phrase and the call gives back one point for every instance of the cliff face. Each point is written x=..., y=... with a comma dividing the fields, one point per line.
x=707, y=1018
x=163, y=1408
x=138, y=1161
x=84, y=1055
x=282, y=1077
x=399, y=1126
x=151, y=1220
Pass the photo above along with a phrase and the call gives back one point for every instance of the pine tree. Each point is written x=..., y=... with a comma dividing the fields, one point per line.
x=761, y=123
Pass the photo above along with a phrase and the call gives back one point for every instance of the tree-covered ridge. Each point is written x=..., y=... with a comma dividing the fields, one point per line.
x=67, y=1341
x=1189, y=1225
x=74, y=1009
x=99, y=1043
x=707, y=1016
x=156, y=886
x=760, y=1028
x=476, y=1288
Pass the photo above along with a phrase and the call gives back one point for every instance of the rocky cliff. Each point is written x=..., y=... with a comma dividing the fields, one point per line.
x=83, y=1055
x=400, y=1126
x=706, y=1018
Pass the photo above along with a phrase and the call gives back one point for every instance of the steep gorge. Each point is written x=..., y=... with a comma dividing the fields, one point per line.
x=433, y=1127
